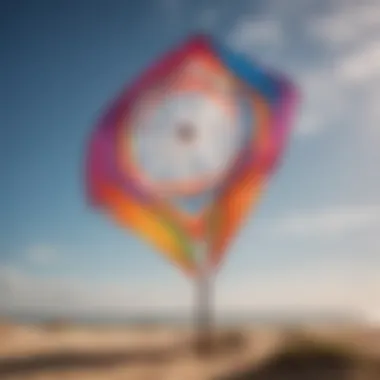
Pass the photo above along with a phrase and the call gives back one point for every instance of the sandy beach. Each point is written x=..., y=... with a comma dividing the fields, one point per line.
x=164, y=353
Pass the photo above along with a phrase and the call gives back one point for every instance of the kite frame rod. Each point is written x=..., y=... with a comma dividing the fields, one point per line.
x=203, y=302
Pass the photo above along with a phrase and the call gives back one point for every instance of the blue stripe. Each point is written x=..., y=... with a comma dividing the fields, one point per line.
x=249, y=72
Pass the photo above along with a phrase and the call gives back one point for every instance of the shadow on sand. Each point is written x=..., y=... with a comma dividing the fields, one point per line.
x=310, y=365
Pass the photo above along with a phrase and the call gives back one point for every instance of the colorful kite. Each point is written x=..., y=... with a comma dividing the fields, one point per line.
x=185, y=152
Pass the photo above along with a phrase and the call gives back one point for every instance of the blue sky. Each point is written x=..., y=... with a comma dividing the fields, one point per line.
x=313, y=241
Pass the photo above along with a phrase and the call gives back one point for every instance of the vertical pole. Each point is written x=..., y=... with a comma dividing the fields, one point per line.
x=203, y=302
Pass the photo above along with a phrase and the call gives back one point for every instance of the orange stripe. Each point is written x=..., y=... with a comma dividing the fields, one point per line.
x=128, y=213
x=245, y=191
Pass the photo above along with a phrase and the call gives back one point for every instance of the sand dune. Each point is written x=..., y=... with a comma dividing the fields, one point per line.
x=79, y=353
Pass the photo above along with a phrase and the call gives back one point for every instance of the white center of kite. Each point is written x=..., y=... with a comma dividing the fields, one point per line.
x=188, y=138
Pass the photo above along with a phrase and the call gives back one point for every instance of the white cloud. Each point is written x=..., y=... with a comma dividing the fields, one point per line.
x=350, y=33
x=347, y=35
x=348, y=23
x=329, y=222
x=323, y=101
x=42, y=254
x=362, y=65
x=250, y=32
x=373, y=112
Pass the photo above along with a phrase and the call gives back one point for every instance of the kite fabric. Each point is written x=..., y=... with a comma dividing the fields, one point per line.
x=184, y=153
